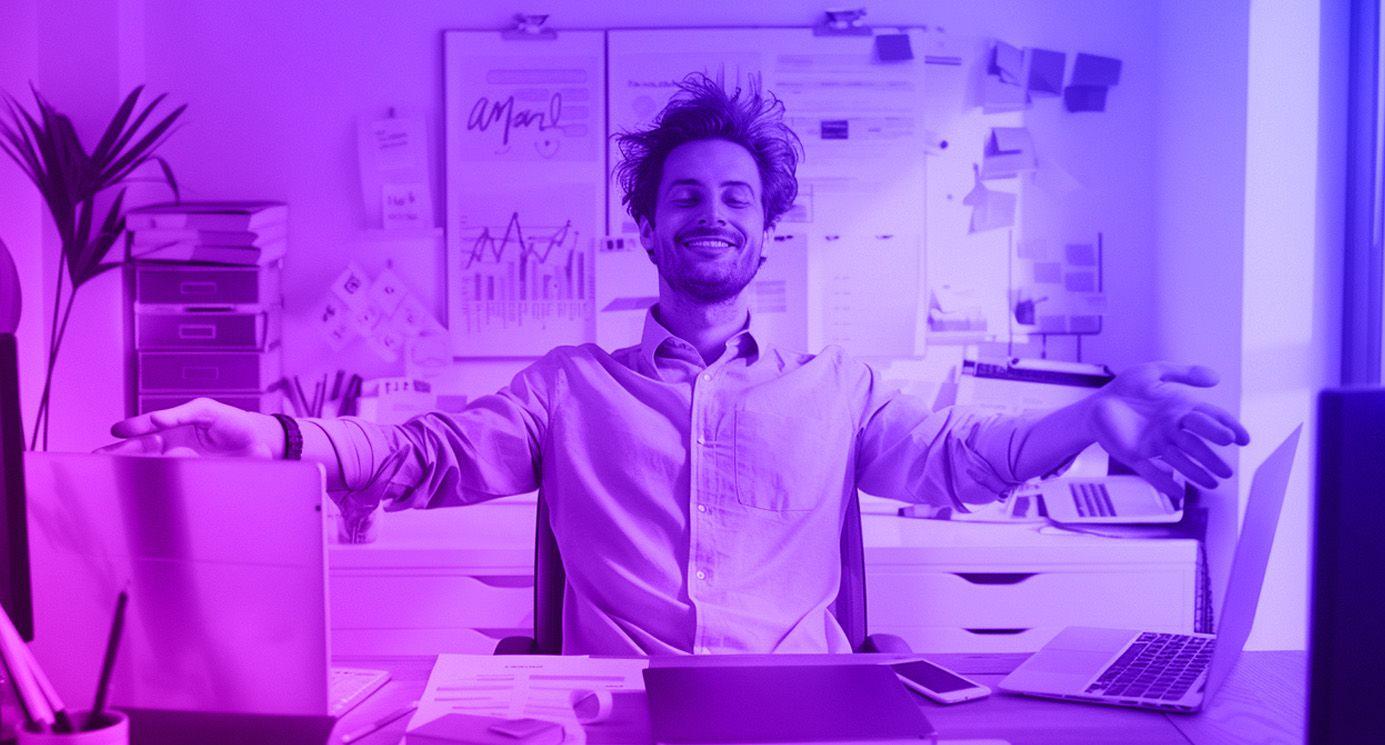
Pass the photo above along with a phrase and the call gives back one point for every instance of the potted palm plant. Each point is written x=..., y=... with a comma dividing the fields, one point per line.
x=71, y=181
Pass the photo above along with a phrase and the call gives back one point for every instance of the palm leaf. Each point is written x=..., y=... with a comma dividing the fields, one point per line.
x=125, y=137
x=133, y=166
x=117, y=126
x=142, y=148
x=100, y=244
x=169, y=178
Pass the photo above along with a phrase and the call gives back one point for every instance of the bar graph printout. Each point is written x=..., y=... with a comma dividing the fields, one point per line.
x=525, y=160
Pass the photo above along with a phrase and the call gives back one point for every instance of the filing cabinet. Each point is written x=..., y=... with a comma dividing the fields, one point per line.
x=205, y=331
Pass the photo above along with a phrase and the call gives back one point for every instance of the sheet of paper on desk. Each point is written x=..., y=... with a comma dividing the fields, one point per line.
x=515, y=686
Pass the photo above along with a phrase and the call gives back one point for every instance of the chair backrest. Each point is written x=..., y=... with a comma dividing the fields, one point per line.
x=550, y=582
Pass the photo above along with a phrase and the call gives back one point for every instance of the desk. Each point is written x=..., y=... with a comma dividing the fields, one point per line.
x=1262, y=702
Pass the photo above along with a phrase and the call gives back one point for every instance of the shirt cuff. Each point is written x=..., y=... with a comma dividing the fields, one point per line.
x=347, y=446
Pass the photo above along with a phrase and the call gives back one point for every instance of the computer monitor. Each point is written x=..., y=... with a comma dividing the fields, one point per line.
x=1347, y=653
x=15, y=594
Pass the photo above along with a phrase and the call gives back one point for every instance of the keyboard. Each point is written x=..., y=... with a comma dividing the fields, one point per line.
x=1156, y=666
x=1092, y=500
x=348, y=686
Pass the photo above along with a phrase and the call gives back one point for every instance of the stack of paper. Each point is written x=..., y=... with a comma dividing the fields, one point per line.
x=523, y=686
x=245, y=233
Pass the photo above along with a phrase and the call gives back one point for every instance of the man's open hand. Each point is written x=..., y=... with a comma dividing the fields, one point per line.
x=1150, y=412
x=199, y=427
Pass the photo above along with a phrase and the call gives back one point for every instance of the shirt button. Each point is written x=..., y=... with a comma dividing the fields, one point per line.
x=707, y=377
x=701, y=440
x=701, y=574
x=702, y=508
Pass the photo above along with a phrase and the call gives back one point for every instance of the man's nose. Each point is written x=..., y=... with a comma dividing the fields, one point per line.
x=712, y=213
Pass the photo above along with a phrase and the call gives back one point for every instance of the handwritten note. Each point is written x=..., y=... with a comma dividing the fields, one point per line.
x=393, y=158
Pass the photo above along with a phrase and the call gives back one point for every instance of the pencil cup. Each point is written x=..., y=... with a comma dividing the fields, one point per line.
x=113, y=729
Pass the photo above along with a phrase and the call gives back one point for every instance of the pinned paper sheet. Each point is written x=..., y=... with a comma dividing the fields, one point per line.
x=1046, y=72
x=626, y=285
x=332, y=319
x=893, y=48
x=395, y=180
x=1084, y=98
x=990, y=209
x=955, y=309
x=1009, y=152
x=1002, y=88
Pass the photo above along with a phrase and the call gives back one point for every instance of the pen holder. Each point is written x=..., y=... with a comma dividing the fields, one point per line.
x=113, y=729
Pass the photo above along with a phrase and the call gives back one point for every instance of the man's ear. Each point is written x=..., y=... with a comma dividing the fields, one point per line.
x=647, y=237
x=767, y=246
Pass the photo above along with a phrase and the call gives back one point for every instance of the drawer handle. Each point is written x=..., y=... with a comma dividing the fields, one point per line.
x=995, y=632
x=196, y=287
x=505, y=580
x=995, y=578
x=201, y=373
x=196, y=331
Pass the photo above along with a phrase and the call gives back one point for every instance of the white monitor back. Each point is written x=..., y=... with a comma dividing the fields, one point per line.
x=225, y=564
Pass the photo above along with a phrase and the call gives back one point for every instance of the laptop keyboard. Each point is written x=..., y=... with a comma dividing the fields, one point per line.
x=348, y=686
x=1092, y=500
x=1156, y=666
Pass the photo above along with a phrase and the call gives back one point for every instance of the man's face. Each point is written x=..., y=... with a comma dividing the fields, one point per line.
x=708, y=232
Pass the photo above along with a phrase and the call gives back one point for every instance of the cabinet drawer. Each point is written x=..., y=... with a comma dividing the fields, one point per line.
x=398, y=601
x=264, y=403
x=206, y=330
x=1029, y=600
x=418, y=642
x=207, y=371
x=205, y=285
x=996, y=640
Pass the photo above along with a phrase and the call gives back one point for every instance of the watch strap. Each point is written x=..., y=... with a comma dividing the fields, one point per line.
x=293, y=437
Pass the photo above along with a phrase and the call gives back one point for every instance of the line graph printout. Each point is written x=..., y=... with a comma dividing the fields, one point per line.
x=519, y=290
x=525, y=160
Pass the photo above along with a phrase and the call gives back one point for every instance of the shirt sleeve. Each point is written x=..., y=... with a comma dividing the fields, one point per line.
x=490, y=449
x=951, y=457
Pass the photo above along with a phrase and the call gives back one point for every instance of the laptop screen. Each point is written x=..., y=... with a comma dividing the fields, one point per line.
x=1267, y=489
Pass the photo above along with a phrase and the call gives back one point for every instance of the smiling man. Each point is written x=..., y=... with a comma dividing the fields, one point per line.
x=697, y=481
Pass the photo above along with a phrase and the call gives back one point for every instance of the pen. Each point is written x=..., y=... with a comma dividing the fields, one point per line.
x=378, y=723
x=336, y=385
x=62, y=721
x=103, y=685
x=20, y=698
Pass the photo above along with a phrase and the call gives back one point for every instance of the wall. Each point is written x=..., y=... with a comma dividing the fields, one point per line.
x=21, y=226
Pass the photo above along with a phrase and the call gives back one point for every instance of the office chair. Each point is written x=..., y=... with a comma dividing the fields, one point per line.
x=550, y=581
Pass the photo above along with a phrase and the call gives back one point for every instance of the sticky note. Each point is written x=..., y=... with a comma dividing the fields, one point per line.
x=1009, y=151
x=1006, y=63
x=1080, y=281
x=1080, y=254
x=1084, y=98
x=352, y=285
x=1091, y=70
x=1046, y=72
x=999, y=97
x=893, y=48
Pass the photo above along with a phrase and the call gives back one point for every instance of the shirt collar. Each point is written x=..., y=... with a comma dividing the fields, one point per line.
x=746, y=342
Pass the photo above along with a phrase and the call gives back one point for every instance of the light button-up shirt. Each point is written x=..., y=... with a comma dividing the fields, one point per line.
x=697, y=507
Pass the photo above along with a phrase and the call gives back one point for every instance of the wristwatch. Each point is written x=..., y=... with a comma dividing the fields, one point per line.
x=293, y=437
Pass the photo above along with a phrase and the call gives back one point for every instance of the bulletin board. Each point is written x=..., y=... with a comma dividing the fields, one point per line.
x=904, y=233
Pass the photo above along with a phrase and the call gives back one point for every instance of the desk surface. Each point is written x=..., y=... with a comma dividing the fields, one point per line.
x=1262, y=702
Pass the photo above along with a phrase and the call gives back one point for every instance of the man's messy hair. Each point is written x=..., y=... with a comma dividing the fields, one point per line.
x=703, y=110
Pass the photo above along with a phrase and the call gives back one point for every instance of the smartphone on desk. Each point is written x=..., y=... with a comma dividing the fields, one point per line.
x=938, y=683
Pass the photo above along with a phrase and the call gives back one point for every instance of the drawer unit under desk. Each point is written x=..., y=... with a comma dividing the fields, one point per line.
x=176, y=284
x=207, y=372
x=1010, y=611
x=161, y=327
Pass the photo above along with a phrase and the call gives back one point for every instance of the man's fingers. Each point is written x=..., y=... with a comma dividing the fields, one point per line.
x=142, y=445
x=1158, y=479
x=1205, y=456
x=1185, y=465
x=192, y=412
x=1207, y=428
x=1225, y=419
x=1200, y=376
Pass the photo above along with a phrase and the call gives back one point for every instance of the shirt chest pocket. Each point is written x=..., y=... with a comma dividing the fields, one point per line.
x=786, y=460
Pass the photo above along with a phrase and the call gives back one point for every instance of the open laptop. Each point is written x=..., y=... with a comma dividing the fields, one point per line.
x=1177, y=672
x=226, y=632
